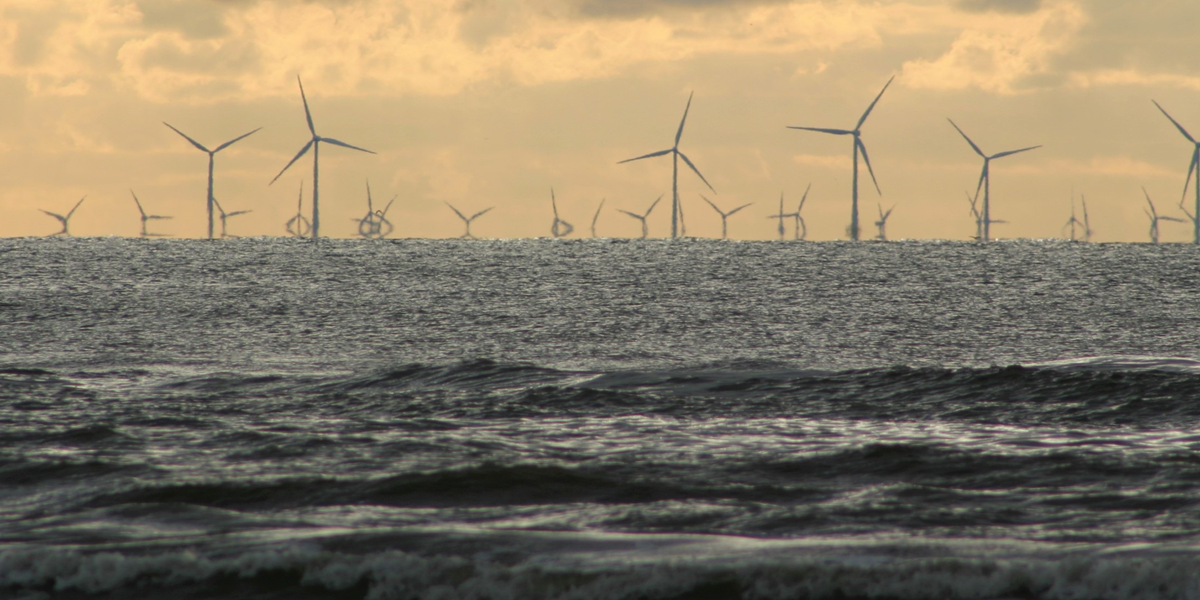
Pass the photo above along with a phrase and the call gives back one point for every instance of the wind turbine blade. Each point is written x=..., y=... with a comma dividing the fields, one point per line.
x=76, y=207
x=730, y=213
x=1011, y=152
x=1177, y=125
x=234, y=140
x=863, y=118
x=679, y=134
x=554, y=203
x=1175, y=219
x=803, y=198
x=889, y=212
x=710, y=203
x=480, y=213
x=651, y=209
x=389, y=206
x=973, y=145
x=138, y=202
x=863, y=148
x=55, y=215
x=307, y=114
x=651, y=155
x=238, y=212
x=294, y=159
x=634, y=215
x=344, y=145
x=185, y=136
x=1149, y=202
x=159, y=217
x=695, y=170
x=1191, y=169
x=456, y=211
x=218, y=205
x=823, y=130
x=979, y=186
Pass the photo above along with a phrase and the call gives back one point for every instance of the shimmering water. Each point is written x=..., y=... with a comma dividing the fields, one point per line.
x=598, y=419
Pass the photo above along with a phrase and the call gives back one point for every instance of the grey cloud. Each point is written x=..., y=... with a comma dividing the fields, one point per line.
x=638, y=8
x=196, y=20
x=1002, y=6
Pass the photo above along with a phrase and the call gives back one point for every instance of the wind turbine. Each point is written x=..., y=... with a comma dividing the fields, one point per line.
x=66, y=221
x=315, y=144
x=146, y=217
x=597, y=217
x=299, y=226
x=882, y=222
x=724, y=215
x=642, y=217
x=211, y=157
x=858, y=146
x=556, y=229
x=801, y=227
x=372, y=225
x=467, y=221
x=1193, y=167
x=676, y=209
x=781, y=216
x=985, y=178
x=1154, y=218
x=225, y=216
x=1073, y=222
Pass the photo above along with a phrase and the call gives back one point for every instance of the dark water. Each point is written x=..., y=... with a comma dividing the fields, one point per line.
x=263, y=418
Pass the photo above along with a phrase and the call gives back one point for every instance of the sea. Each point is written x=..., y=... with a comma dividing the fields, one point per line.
x=688, y=419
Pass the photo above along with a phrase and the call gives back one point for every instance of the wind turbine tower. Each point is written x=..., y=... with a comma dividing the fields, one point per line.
x=676, y=210
x=643, y=217
x=146, y=217
x=315, y=144
x=66, y=221
x=211, y=158
x=1193, y=167
x=781, y=216
x=985, y=179
x=859, y=146
x=724, y=215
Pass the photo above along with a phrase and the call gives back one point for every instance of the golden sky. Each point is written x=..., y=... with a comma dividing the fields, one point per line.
x=492, y=102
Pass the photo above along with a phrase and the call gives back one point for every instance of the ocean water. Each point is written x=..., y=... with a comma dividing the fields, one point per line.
x=580, y=419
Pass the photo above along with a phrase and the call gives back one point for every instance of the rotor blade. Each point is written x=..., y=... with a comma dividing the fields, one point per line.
x=889, y=212
x=651, y=155
x=634, y=215
x=651, y=209
x=139, y=203
x=679, y=134
x=1191, y=168
x=710, y=203
x=294, y=159
x=1011, y=152
x=982, y=176
x=231, y=142
x=307, y=114
x=238, y=212
x=695, y=170
x=1149, y=202
x=1177, y=125
x=973, y=145
x=218, y=205
x=823, y=130
x=76, y=207
x=554, y=203
x=1175, y=219
x=863, y=118
x=185, y=136
x=370, y=205
x=460, y=215
x=730, y=213
x=389, y=206
x=344, y=145
x=55, y=215
x=863, y=148
x=159, y=217
x=480, y=213
x=803, y=198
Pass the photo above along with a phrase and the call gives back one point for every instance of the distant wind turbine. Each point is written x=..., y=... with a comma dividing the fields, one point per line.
x=597, y=216
x=299, y=226
x=676, y=209
x=467, y=221
x=146, y=217
x=66, y=221
x=559, y=228
x=1155, y=218
x=315, y=144
x=1073, y=222
x=724, y=215
x=781, y=216
x=881, y=224
x=375, y=224
x=801, y=227
x=859, y=146
x=1193, y=167
x=642, y=217
x=211, y=157
x=225, y=217
x=985, y=179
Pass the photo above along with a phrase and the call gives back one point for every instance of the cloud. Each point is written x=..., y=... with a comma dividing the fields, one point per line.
x=1001, y=6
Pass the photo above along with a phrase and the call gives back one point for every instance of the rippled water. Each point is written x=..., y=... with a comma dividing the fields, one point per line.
x=598, y=419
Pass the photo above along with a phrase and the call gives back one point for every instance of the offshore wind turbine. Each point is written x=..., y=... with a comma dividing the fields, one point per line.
x=724, y=215
x=467, y=221
x=557, y=228
x=299, y=226
x=315, y=144
x=1073, y=222
x=881, y=224
x=211, y=158
x=64, y=220
x=597, y=216
x=781, y=216
x=146, y=217
x=859, y=146
x=375, y=224
x=225, y=216
x=676, y=209
x=1193, y=167
x=985, y=178
x=801, y=227
x=642, y=217
x=1155, y=218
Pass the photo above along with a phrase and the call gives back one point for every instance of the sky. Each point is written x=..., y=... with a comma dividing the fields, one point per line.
x=493, y=102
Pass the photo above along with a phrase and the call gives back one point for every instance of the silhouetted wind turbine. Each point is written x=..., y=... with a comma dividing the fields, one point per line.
x=801, y=227
x=781, y=216
x=467, y=221
x=676, y=210
x=224, y=217
x=1073, y=222
x=146, y=217
x=858, y=146
x=315, y=144
x=882, y=222
x=299, y=226
x=1193, y=167
x=985, y=178
x=557, y=228
x=724, y=215
x=597, y=216
x=642, y=218
x=211, y=157
x=66, y=221
x=375, y=225
x=1154, y=218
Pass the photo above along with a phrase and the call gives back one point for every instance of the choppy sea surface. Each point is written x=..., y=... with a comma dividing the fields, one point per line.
x=586, y=419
